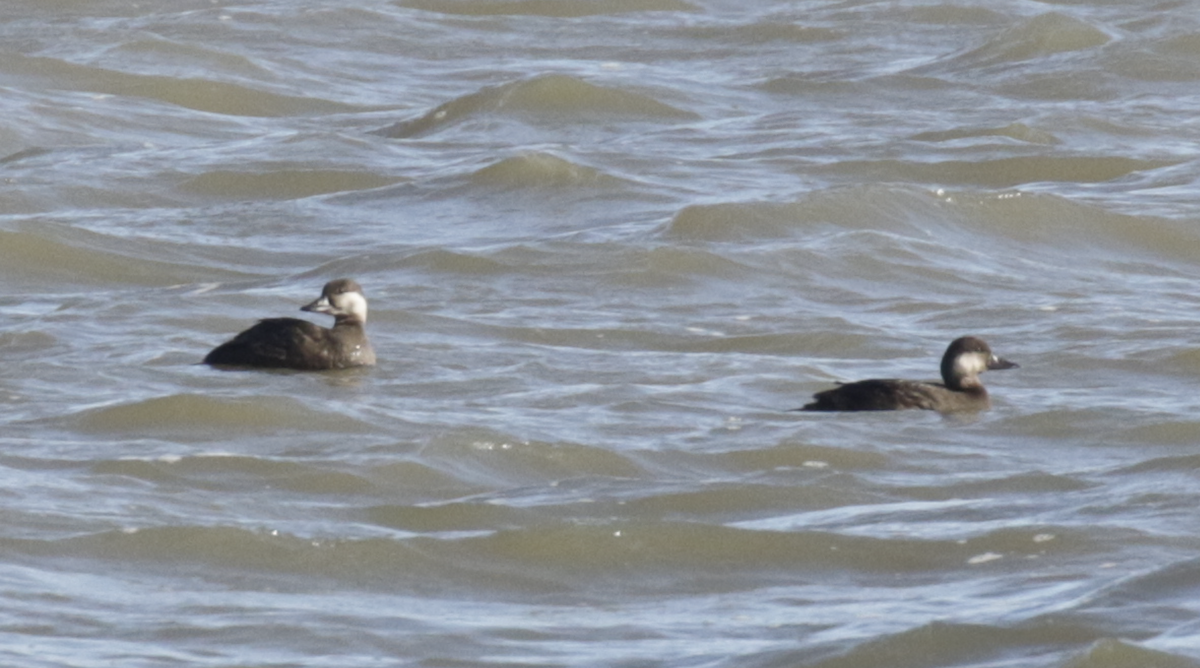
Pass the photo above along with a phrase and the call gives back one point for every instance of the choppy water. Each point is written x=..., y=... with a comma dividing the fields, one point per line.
x=607, y=244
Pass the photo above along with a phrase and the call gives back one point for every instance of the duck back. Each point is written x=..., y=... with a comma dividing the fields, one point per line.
x=291, y=343
x=891, y=395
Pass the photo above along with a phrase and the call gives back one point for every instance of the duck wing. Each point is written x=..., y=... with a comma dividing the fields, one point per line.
x=875, y=395
x=280, y=343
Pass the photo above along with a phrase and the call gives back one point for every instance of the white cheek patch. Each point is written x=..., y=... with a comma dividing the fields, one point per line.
x=970, y=364
x=352, y=303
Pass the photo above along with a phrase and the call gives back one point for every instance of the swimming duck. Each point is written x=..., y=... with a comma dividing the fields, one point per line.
x=960, y=389
x=291, y=343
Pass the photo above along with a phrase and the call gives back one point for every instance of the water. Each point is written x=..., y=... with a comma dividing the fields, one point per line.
x=607, y=245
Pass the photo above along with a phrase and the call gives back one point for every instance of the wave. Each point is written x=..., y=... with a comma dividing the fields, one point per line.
x=553, y=97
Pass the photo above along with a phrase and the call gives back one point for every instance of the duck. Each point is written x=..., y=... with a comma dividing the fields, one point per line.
x=960, y=389
x=292, y=343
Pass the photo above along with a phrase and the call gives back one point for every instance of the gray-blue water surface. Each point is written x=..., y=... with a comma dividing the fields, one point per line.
x=607, y=245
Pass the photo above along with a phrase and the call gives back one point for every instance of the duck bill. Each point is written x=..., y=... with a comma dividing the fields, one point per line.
x=999, y=363
x=321, y=305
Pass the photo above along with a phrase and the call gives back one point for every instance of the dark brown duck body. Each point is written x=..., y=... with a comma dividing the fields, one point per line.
x=291, y=343
x=961, y=389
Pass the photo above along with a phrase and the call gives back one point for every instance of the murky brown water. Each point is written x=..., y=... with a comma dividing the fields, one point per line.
x=607, y=245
